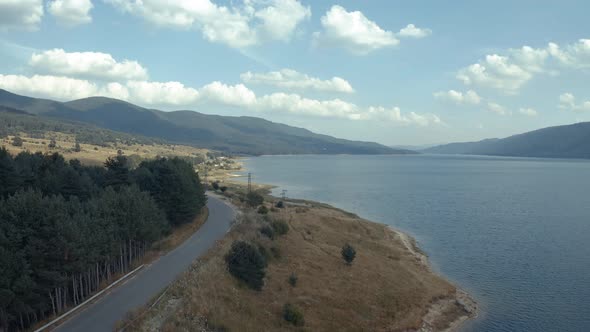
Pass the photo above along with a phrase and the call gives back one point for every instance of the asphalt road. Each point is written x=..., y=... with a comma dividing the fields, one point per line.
x=102, y=315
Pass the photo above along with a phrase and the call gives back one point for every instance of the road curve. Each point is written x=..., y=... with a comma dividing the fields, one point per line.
x=112, y=307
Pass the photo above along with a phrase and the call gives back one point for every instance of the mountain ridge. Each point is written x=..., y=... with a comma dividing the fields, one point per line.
x=238, y=135
x=565, y=141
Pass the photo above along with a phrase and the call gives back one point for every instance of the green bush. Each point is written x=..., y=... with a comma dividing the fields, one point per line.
x=246, y=263
x=293, y=315
x=348, y=253
x=215, y=185
x=276, y=252
x=293, y=279
x=17, y=141
x=268, y=231
x=280, y=204
x=254, y=199
x=280, y=227
x=262, y=209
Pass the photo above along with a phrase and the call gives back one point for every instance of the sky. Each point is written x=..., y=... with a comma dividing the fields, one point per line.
x=394, y=72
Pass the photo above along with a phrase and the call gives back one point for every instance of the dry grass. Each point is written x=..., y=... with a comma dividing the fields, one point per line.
x=387, y=287
x=95, y=154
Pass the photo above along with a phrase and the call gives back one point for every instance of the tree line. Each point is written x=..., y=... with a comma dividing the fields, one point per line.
x=67, y=229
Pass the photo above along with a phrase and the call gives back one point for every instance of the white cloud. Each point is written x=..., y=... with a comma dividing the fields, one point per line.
x=531, y=59
x=237, y=26
x=291, y=79
x=58, y=87
x=528, y=112
x=510, y=72
x=236, y=95
x=497, y=72
x=20, y=14
x=280, y=20
x=470, y=97
x=161, y=93
x=71, y=12
x=567, y=102
x=353, y=31
x=576, y=55
x=176, y=94
x=411, y=31
x=93, y=65
x=498, y=109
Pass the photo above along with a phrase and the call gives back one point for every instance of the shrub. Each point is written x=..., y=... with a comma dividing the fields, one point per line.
x=276, y=252
x=262, y=209
x=215, y=185
x=254, y=199
x=293, y=279
x=223, y=189
x=348, y=253
x=246, y=263
x=280, y=204
x=52, y=144
x=268, y=231
x=280, y=227
x=17, y=141
x=293, y=315
x=77, y=147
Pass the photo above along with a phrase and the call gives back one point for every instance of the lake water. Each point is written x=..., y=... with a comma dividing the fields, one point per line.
x=513, y=232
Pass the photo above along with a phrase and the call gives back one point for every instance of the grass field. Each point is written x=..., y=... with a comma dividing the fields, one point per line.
x=96, y=154
x=388, y=287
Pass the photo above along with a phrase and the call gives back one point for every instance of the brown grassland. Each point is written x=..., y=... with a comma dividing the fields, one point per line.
x=388, y=287
x=94, y=154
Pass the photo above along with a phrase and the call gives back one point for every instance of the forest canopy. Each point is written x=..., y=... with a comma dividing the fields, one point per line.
x=66, y=228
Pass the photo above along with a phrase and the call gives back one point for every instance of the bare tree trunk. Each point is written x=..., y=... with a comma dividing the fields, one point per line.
x=52, y=303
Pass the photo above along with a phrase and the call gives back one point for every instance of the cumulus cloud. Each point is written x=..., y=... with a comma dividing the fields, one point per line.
x=71, y=12
x=251, y=23
x=576, y=55
x=412, y=31
x=176, y=94
x=161, y=93
x=291, y=79
x=497, y=72
x=94, y=65
x=58, y=87
x=353, y=31
x=498, y=109
x=528, y=111
x=460, y=98
x=567, y=102
x=509, y=72
x=236, y=95
x=20, y=14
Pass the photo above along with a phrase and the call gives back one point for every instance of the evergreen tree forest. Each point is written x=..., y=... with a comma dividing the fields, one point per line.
x=68, y=229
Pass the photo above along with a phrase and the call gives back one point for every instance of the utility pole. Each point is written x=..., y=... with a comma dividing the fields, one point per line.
x=206, y=181
x=249, y=183
x=284, y=194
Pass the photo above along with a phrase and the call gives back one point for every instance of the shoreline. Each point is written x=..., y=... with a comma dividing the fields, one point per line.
x=437, y=309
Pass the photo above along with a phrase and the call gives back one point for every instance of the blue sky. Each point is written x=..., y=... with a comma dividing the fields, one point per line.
x=400, y=73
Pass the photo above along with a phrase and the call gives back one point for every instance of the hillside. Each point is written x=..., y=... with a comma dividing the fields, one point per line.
x=569, y=141
x=238, y=135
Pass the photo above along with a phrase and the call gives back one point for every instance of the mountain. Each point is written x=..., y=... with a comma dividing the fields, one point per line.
x=569, y=141
x=238, y=135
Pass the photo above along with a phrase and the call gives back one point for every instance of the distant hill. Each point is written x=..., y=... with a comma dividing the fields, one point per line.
x=238, y=135
x=570, y=141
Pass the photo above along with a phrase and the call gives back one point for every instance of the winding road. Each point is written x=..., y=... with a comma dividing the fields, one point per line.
x=112, y=307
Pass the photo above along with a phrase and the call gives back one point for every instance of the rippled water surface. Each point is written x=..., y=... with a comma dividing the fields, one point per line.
x=513, y=232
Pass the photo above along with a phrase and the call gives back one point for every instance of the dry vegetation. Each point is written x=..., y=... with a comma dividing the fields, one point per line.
x=386, y=288
x=96, y=154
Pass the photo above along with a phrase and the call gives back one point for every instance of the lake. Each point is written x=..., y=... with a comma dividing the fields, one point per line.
x=513, y=232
